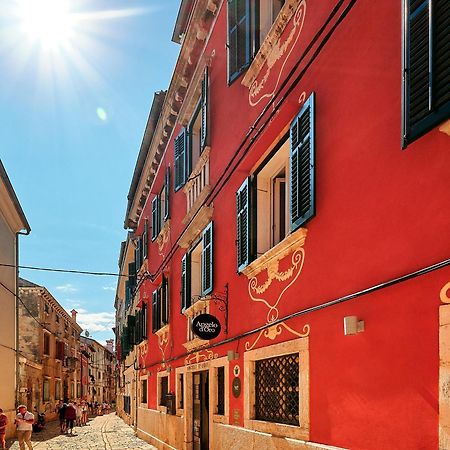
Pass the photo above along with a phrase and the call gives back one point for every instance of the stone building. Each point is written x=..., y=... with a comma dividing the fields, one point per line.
x=101, y=370
x=12, y=223
x=49, y=344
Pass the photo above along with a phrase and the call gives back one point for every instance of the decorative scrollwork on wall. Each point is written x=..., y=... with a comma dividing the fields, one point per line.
x=200, y=356
x=444, y=294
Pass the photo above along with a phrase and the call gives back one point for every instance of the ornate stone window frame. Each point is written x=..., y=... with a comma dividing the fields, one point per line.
x=179, y=389
x=300, y=346
x=141, y=379
x=213, y=389
x=162, y=374
x=284, y=16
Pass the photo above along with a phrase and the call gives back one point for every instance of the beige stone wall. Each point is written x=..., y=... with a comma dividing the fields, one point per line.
x=7, y=322
x=228, y=437
x=164, y=431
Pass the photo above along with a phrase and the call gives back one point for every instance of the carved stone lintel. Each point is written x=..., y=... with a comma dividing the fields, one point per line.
x=197, y=225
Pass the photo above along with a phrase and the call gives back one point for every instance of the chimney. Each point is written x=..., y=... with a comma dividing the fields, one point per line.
x=74, y=315
x=110, y=345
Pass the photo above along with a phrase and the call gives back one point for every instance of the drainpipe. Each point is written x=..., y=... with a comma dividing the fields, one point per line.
x=16, y=290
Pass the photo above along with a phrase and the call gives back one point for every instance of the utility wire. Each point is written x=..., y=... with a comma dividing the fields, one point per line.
x=80, y=272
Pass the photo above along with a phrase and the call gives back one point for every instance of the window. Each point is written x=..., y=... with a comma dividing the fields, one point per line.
x=141, y=324
x=60, y=350
x=57, y=318
x=160, y=207
x=57, y=390
x=163, y=390
x=127, y=404
x=276, y=394
x=193, y=139
x=46, y=308
x=46, y=390
x=180, y=391
x=160, y=306
x=248, y=24
x=426, y=64
x=144, y=391
x=46, y=343
x=197, y=269
x=279, y=197
x=277, y=389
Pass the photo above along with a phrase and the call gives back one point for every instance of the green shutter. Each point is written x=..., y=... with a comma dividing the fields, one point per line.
x=426, y=66
x=164, y=302
x=155, y=311
x=145, y=240
x=155, y=221
x=239, y=37
x=207, y=260
x=180, y=145
x=204, y=111
x=243, y=225
x=302, y=203
x=186, y=281
x=167, y=194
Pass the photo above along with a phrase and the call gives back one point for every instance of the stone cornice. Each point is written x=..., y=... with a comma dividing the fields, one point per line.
x=198, y=30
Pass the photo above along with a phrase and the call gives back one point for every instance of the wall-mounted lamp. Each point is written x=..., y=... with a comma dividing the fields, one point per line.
x=352, y=325
x=232, y=355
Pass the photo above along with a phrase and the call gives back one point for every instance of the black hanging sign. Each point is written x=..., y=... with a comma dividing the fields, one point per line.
x=206, y=326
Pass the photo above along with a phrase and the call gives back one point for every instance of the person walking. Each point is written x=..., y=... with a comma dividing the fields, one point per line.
x=78, y=414
x=3, y=423
x=84, y=413
x=24, y=423
x=61, y=410
x=70, y=415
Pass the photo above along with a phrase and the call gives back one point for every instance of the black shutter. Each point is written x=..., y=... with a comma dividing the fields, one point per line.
x=138, y=254
x=155, y=311
x=243, y=225
x=207, y=260
x=186, y=281
x=426, y=66
x=204, y=111
x=155, y=218
x=239, y=37
x=144, y=320
x=132, y=275
x=145, y=240
x=180, y=160
x=167, y=194
x=302, y=165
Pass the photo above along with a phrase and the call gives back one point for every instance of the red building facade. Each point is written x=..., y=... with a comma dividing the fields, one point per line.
x=292, y=183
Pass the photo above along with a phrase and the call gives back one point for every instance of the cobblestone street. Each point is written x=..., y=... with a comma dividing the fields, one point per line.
x=106, y=432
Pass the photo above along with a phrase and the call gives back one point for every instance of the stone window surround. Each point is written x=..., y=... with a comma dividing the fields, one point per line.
x=300, y=346
x=180, y=371
x=142, y=378
x=213, y=388
x=162, y=374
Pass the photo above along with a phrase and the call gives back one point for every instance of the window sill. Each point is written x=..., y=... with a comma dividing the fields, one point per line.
x=218, y=418
x=163, y=331
x=270, y=41
x=199, y=305
x=277, y=429
x=275, y=254
x=195, y=344
x=198, y=223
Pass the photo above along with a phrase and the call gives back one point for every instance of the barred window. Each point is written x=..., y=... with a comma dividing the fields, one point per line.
x=144, y=391
x=277, y=389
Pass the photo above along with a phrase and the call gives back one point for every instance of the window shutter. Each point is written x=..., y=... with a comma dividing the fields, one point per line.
x=155, y=311
x=302, y=165
x=138, y=254
x=243, y=225
x=164, y=302
x=180, y=160
x=204, y=112
x=144, y=320
x=145, y=240
x=186, y=281
x=167, y=193
x=132, y=275
x=426, y=65
x=207, y=260
x=155, y=221
x=239, y=38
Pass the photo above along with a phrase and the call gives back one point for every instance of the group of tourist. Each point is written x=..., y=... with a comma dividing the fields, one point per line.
x=71, y=414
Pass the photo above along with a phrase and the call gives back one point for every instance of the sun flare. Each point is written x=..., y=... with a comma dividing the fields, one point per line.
x=49, y=23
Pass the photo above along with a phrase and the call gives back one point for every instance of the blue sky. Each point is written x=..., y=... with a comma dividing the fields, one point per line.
x=73, y=110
